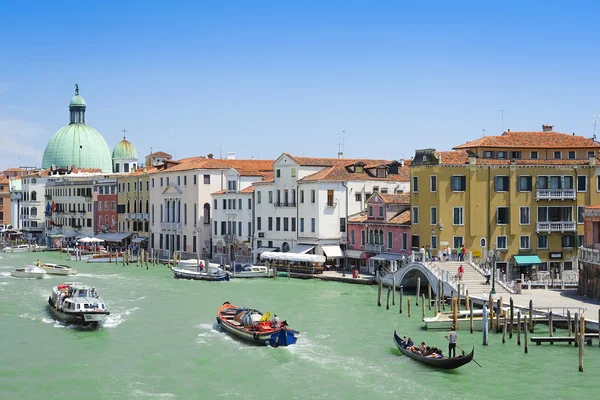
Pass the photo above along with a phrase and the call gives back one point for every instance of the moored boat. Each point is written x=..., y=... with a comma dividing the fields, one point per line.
x=253, y=271
x=22, y=248
x=58, y=269
x=29, y=272
x=443, y=362
x=76, y=303
x=254, y=327
x=182, y=273
x=445, y=321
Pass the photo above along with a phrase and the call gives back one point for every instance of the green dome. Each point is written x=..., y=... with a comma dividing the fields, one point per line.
x=77, y=101
x=124, y=150
x=79, y=145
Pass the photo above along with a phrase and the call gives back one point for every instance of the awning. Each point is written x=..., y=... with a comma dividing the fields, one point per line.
x=302, y=248
x=332, y=251
x=113, y=237
x=354, y=254
x=294, y=257
x=139, y=240
x=261, y=250
x=56, y=235
x=527, y=260
x=387, y=257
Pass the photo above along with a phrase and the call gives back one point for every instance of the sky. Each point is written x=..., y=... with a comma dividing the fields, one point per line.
x=262, y=78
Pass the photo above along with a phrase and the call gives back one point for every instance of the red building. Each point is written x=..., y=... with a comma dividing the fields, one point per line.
x=105, y=206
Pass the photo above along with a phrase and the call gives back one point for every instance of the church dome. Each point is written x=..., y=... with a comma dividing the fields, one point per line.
x=124, y=150
x=77, y=143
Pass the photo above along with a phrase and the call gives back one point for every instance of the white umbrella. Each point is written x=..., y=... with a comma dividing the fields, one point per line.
x=85, y=240
x=96, y=240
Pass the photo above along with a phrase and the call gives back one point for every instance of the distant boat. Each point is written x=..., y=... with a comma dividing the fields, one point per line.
x=29, y=272
x=22, y=248
x=199, y=276
x=253, y=271
x=254, y=327
x=57, y=269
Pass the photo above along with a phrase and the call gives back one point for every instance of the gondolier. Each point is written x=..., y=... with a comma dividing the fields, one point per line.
x=452, y=343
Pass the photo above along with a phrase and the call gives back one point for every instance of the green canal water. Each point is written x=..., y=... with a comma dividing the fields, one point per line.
x=161, y=342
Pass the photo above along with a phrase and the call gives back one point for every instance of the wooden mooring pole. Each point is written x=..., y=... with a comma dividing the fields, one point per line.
x=512, y=315
x=576, y=329
x=484, y=318
x=498, y=316
x=455, y=313
x=581, y=342
x=471, y=316
x=504, y=325
x=387, y=305
x=458, y=296
x=379, y=293
x=525, y=329
x=429, y=295
x=401, y=295
x=519, y=328
x=467, y=304
x=393, y=290
x=423, y=305
x=550, y=326
x=531, y=316
x=418, y=291
x=408, y=305
x=569, y=326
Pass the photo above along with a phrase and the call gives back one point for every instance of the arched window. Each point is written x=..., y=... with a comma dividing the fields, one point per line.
x=33, y=196
x=152, y=213
x=106, y=219
x=128, y=207
x=134, y=206
x=371, y=239
x=141, y=205
x=34, y=211
x=380, y=237
x=206, y=213
x=1, y=216
x=161, y=213
x=147, y=206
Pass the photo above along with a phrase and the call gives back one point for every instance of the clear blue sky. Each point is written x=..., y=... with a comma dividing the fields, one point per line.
x=261, y=78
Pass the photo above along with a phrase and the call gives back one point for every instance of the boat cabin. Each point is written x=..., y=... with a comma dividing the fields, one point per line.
x=78, y=298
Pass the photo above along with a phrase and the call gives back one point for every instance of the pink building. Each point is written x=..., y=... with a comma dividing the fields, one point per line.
x=380, y=236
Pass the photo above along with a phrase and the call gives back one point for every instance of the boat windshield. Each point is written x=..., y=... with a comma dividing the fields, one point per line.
x=82, y=292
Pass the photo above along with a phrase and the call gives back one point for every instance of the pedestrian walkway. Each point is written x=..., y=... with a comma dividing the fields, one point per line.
x=472, y=279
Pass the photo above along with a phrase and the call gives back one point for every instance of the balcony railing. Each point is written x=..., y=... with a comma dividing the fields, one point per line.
x=137, y=216
x=555, y=194
x=173, y=226
x=230, y=238
x=48, y=196
x=145, y=216
x=556, y=226
x=589, y=255
x=127, y=215
x=377, y=248
x=285, y=204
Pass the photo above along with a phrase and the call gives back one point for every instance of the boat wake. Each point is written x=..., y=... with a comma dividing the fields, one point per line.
x=116, y=318
x=212, y=332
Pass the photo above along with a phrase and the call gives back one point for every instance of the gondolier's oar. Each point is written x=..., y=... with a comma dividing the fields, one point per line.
x=464, y=352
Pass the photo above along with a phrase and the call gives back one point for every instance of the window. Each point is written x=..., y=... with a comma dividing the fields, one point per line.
x=432, y=215
x=404, y=240
x=415, y=184
x=381, y=211
x=434, y=242
x=224, y=204
x=524, y=243
x=534, y=155
x=185, y=213
x=99, y=206
x=223, y=227
x=458, y=241
x=286, y=224
x=195, y=182
x=353, y=237
x=488, y=154
x=207, y=179
x=524, y=218
x=542, y=242
x=152, y=182
x=415, y=215
x=525, y=183
x=515, y=155
x=301, y=224
x=270, y=223
x=370, y=211
x=167, y=181
x=313, y=225
x=501, y=155
x=278, y=173
x=259, y=197
x=312, y=196
x=501, y=183
x=390, y=240
x=258, y=223
x=571, y=155
x=239, y=203
x=249, y=204
x=342, y=225
x=161, y=182
x=293, y=172
x=178, y=180
x=270, y=197
x=458, y=216
x=433, y=183
x=415, y=241
x=302, y=196
x=277, y=223
x=502, y=215
x=582, y=183
x=501, y=242
x=293, y=224
x=458, y=183
x=357, y=196
x=362, y=238
x=591, y=154
x=557, y=155
x=580, y=210
x=568, y=241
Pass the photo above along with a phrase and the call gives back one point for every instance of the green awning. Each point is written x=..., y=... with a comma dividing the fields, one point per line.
x=527, y=260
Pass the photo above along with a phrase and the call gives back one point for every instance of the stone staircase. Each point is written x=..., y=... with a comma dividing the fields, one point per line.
x=473, y=279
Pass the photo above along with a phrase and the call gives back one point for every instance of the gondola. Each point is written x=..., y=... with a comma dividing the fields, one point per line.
x=443, y=363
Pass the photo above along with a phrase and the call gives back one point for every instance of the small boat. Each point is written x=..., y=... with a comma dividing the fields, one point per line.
x=104, y=257
x=254, y=327
x=443, y=363
x=253, y=271
x=75, y=303
x=444, y=320
x=22, y=248
x=58, y=269
x=29, y=272
x=182, y=273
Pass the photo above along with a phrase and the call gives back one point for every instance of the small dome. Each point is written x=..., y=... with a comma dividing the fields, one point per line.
x=124, y=150
x=77, y=101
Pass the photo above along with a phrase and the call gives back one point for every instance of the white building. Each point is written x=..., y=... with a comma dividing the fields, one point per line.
x=181, y=202
x=32, y=206
x=305, y=208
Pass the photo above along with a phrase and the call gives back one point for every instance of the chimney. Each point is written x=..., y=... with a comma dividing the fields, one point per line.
x=592, y=159
x=547, y=128
x=210, y=156
x=472, y=159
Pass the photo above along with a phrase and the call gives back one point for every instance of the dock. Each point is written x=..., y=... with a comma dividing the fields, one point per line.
x=538, y=340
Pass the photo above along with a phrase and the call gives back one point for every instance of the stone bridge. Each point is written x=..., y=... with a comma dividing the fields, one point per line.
x=407, y=276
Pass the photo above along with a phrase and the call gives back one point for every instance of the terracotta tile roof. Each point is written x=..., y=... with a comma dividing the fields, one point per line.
x=219, y=192
x=362, y=217
x=402, y=218
x=594, y=207
x=460, y=157
x=532, y=140
x=159, y=154
x=340, y=173
x=249, y=189
x=400, y=198
x=15, y=169
x=244, y=167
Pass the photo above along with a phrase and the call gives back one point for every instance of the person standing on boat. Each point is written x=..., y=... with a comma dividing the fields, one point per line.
x=275, y=321
x=452, y=343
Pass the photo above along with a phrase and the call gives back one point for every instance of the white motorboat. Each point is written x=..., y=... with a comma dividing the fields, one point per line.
x=29, y=272
x=58, y=269
x=253, y=271
x=22, y=248
x=445, y=321
x=76, y=303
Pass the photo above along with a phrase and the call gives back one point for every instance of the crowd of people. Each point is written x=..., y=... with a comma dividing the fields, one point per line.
x=426, y=253
x=423, y=349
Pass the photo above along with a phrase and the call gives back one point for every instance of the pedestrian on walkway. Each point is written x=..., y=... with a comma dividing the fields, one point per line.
x=462, y=251
x=449, y=249
x=486, y=273
x=461, y=272
x=422, y=253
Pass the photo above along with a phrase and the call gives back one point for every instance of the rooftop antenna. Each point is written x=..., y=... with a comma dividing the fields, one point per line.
x=595, y=120
x=341, y=139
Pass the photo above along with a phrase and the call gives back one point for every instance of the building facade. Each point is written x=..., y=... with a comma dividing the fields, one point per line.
x=105, y=205
x=520, y=193
x=33, y=205
x=5, y=203
x=589, y=255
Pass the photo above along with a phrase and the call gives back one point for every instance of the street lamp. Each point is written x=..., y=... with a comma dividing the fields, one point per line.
x=494, y=254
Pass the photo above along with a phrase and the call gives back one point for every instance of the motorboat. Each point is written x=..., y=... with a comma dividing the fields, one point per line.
x=58, y=269
x=253, y=271
x=199, y=275
x=252, y=326
x=76, y=303
x=22, y=248
x=436, y=362
x=29, y=272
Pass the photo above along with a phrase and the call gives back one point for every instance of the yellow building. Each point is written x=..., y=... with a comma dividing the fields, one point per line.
x=520, y=193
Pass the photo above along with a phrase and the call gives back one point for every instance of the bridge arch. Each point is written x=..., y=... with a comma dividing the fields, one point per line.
x=408, y=275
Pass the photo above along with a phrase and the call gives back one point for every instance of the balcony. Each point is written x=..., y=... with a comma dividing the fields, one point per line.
x=555, y=194
x=375, y=248
x=48, y=196
x=145, y=216
x=230, y=238
x=127, y=215
x=172, y=226
x=557, y=226
x=589, y=254
x=285, y=204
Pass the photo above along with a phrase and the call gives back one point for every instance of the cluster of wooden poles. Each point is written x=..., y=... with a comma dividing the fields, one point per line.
x=576, y=326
